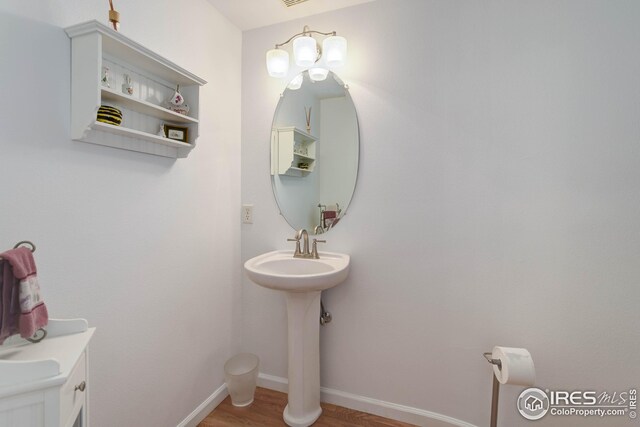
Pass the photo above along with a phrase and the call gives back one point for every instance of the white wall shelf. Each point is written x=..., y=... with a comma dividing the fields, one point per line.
x=94, y=46
x=46, y=384
x=286, y=144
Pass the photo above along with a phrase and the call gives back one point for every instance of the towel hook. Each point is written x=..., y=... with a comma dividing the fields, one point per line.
x=35, y=338
x=25, y=242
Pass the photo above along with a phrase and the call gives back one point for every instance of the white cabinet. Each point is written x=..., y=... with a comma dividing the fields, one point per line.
x=291, y=149
x=46, y=384
x=154, y=80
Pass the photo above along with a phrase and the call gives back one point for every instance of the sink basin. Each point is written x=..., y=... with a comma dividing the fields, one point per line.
x=279, y=270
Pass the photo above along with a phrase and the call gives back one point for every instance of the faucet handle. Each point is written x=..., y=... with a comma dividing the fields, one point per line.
x=297, y=240
x=314, y=248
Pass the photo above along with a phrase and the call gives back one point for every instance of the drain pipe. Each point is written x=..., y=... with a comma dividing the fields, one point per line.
x=325, y=316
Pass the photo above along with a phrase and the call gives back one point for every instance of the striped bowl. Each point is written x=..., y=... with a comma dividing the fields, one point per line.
x=110, y=115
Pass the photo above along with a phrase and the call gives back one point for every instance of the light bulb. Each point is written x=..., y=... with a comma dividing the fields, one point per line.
x=296, y=83
x=277, y=63
x=334, y=50
x=318, y=74
x=305, y=50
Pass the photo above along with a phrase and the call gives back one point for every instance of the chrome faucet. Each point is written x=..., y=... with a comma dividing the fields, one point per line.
x=304, y=252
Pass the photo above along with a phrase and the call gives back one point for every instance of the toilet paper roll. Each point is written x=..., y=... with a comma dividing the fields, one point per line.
x=517, y=366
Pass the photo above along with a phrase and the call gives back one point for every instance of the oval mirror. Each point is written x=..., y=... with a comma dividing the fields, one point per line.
x=314, y=152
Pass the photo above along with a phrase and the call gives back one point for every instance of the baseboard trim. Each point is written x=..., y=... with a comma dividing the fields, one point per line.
x=273, y=383
x=205, y=408
x=381, y=408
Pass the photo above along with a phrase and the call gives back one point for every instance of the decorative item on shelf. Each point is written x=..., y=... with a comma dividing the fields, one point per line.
x=114, y=16
x=127, y=87
x=106, y=76
x=161, y=132
x=178, y=133
x=110, y=115
x=300, y=149
x=303, y=165
x=308, y=118
x=176, y=103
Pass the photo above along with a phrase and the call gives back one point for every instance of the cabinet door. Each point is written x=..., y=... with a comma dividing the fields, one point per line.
x=23, y=410
x=72, y=394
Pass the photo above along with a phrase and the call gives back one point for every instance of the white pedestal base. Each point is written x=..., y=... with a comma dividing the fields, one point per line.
x=300, y=422
x=303, y=314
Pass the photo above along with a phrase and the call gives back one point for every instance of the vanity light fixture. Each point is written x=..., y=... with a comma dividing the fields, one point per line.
x=307, y=52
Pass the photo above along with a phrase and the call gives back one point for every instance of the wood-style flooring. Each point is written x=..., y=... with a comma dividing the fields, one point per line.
x=266, y=411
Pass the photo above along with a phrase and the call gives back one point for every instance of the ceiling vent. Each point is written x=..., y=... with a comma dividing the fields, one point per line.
x=290, y=3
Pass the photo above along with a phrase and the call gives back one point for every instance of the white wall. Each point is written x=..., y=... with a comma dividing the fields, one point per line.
x=497, y=202
x=139, y=245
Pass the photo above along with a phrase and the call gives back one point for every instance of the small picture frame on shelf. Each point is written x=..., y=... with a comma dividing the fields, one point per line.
x=178, y=133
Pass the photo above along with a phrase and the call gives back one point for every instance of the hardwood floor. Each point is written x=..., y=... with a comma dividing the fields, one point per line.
x=266, y=411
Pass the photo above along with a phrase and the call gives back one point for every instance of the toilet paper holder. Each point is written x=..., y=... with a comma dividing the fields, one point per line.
x=490, y=359
x=495, y=395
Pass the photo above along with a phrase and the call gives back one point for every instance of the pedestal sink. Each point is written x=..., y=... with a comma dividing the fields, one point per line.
x=302, y=280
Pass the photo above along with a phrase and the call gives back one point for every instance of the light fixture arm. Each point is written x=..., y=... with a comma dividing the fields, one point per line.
x=305, y=31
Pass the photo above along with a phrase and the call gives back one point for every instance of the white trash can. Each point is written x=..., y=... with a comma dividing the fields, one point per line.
x=241, y=374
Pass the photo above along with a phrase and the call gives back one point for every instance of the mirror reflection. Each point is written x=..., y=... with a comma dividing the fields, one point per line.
x=314, y=152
